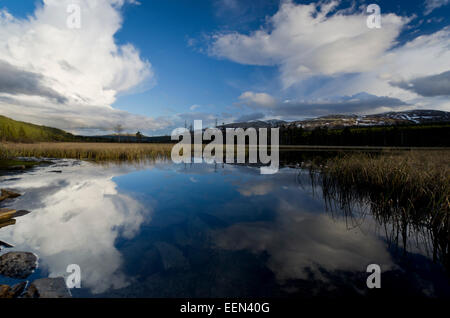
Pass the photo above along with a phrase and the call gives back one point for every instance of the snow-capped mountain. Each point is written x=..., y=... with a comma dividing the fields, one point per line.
x=383, y=119
x=340, y=121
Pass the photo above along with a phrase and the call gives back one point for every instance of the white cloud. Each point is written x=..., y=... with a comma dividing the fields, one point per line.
x=85, y=66
x=424, y=56
x=304, y=40
x=257, y=100
x=322, y=53
x=431, y=5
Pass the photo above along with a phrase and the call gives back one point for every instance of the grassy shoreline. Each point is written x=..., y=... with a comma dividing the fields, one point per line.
x=86, y=151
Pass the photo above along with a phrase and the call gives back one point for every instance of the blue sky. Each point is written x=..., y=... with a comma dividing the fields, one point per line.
x=159, y=63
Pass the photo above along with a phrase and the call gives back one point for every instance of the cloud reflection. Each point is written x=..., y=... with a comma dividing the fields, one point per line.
x=77, y=217
x=300, y=243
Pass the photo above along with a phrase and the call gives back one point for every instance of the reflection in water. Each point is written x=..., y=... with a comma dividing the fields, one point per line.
x=77, y=217
x=413, y=225
x=215, y=231
x=302, y=245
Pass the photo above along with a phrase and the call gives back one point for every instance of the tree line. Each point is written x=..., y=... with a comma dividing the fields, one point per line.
x=422, y=135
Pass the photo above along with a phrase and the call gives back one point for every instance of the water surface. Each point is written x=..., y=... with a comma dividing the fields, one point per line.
x=200, y=230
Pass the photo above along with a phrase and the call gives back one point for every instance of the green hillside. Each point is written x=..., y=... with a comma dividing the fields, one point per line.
x=17, y=131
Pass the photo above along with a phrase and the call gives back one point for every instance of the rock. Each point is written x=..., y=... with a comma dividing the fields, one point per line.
x=18, y=265
x=7, y=194
x=10, y=194
x=5, y=291
x=6, y=214
x=21, y=213
x=7, y=223
x=48, y=288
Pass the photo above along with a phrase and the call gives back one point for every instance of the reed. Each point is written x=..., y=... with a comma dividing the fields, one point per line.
x=87, y=151
x=408, y=190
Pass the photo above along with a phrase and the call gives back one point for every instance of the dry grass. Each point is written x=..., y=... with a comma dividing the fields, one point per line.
x=87, y=151
x=413, y=180
x=409, y=190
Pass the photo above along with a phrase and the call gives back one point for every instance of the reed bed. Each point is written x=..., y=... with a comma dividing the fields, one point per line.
x=408, y=190
x=417, y=181
x=87, y=151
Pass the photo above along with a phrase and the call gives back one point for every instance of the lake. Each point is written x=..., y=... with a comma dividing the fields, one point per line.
x=203, y=230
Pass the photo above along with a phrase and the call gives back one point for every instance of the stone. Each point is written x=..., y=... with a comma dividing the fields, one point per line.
x=18, y=265
x=48, y=288
x=10, y=194
x=7, y=223
x=5, y=291
x=6, y=214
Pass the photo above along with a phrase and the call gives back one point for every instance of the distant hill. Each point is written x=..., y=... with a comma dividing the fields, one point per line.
x=133, y=138
x=342, y=121
x=17, y=131
x=426, y=120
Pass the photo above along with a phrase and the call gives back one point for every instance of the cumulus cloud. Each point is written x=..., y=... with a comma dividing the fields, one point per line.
x=430, y=86
x=96, y=118
x=257, y=100
x=194, y=107
x=358, y=103
x=70, y=71
x=322, y=52
x=305, y=40
x=424, y=56
x=17, y=81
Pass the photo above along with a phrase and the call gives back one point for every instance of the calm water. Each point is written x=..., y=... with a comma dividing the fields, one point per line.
x=164, y=230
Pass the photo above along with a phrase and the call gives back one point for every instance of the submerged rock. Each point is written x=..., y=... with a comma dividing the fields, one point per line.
x=4, y=291
x=48, y=288
x=18, y=265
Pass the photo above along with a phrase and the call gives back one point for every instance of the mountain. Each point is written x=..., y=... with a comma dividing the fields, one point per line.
x=253, y=124
x=12, y=130
x=383, y=119
x=341, y=121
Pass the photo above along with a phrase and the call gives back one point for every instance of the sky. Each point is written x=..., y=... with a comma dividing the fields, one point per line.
x=151, y=65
